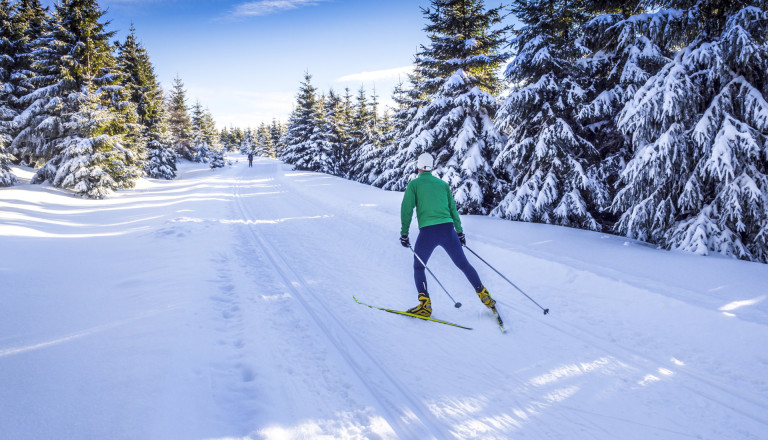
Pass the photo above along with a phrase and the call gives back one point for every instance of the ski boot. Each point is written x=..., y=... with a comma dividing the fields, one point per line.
x=424, y=308
x=485, y=297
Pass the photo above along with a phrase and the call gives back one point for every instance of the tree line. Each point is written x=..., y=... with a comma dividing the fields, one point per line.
x=90, y=115
x=645, y=118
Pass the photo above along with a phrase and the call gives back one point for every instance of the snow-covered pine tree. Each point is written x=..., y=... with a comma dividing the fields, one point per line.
x=236, y=133
x=227, y=140
x=698, y=180
x=145, y=92
x=179, y=120
x=326, y=155
x=26, y=28
x=8, y=48
x=264, y=145
x=550, y=164
x=247, y=144
x=205, y=139
x=389, y=173
x=302, y=139
x=199, y=147
x=6, y=176
x=359, y=125
x=276, y=132
x=9, y=43
x=459, y=71
x=335, y=134
x=367, y=160
x=626, y=47
x=79, y=120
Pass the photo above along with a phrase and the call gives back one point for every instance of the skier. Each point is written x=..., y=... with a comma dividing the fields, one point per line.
x=439, y=225
x=250, y=159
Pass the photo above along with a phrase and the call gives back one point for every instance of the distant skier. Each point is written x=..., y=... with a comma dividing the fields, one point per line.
x=250, y=159
x=439, y=225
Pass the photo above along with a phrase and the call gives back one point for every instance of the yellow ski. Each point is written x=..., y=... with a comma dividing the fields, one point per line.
x=399, y=312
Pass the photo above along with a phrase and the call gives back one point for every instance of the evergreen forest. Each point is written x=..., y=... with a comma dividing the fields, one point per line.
x=643, y=118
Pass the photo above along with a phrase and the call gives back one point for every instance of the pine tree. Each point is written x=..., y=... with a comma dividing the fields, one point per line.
x=7, y=113
x=145, y=92
x=360, y=125
x=179, y=120
x=302, y=140
x=9, y=48
x=79, y=120
x=276, y=132
x=266, y=148
x=367, y=160
x=205, y=139
x=333, y=149
x=389, y=173
x=247, y=141
x=626, y=50
x=547, y=158
x=6, y=176
x=25, y=32
x=458, y=75
x=698, y=179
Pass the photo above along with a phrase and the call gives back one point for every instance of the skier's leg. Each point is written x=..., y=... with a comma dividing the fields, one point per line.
x=425, y=244
x=452, y=245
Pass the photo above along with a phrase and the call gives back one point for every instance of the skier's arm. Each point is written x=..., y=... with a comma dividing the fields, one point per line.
x=454, y=213
x=406, y=209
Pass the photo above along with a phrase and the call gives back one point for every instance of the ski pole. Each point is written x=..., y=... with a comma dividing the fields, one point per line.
x=506, y=279
x=456, y=304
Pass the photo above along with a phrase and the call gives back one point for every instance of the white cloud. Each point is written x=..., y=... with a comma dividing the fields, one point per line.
x=267, y=7
x=377, y=74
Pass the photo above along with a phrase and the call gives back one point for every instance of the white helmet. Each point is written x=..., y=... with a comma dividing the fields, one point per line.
x=426, y=162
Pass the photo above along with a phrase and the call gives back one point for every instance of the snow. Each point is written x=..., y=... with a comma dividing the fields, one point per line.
x=219, y=305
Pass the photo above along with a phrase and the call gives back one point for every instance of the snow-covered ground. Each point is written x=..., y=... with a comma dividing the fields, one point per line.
x=219, y=305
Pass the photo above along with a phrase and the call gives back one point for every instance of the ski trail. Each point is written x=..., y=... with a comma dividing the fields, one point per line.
x=339, y=222
x=746, y=405
x=414, y=421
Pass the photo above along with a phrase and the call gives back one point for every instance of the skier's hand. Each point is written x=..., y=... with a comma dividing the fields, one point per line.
x=462, y=239
x=405, y=241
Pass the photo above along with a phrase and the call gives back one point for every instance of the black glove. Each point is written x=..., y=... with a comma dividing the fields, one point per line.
x=462, y=239
x=404, y=241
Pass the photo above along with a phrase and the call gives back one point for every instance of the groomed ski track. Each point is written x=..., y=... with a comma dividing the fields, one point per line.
x=405, y=414
x=219, y=306
x=438, y=383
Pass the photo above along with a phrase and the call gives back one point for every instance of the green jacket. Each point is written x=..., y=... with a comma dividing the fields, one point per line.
x=433, y=201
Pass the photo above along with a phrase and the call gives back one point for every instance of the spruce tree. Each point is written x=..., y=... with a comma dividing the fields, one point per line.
x=626, y=50
x=205, y=138
x=457, y=73
x=698, y=179
x=388, y=172
x=303, y=140
x=333, y=149
x=276, y=132
x=179, y=120
x=266, y=147
x=145, y=92
x=360, y=124
x=24, y=32
x=367, y=160
x=9, y=43
x=79, y=120
x=548, y=160
x=6, y=176
x=247, y=144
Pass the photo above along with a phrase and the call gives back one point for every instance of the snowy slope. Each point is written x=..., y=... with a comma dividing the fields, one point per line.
x=219, y=305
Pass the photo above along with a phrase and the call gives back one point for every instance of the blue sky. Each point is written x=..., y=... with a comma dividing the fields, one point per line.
x=245, y=60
